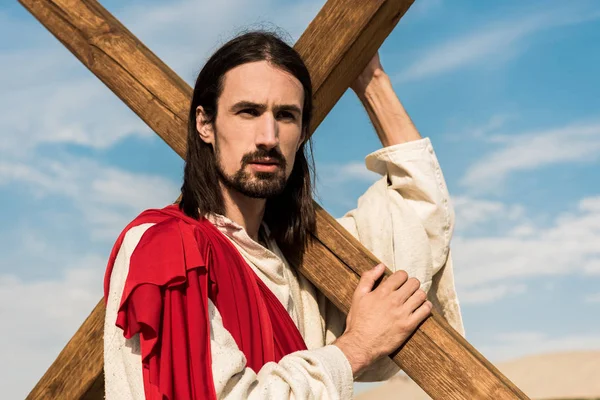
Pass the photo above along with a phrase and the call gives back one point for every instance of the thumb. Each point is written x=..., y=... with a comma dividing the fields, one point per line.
x=367, y=280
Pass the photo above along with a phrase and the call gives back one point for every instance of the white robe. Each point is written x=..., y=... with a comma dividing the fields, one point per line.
x=405, y=219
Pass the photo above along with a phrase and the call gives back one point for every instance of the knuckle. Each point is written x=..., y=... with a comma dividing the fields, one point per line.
x=405, y=325
x=402, y=275
x=414, y=282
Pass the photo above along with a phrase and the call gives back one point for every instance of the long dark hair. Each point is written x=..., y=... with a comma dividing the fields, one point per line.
x=290, y=215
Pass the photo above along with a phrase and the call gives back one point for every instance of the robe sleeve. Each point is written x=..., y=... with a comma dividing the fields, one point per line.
x=322, y=373
x=406, y=219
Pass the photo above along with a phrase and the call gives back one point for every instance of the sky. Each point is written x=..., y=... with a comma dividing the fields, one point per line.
x=507, y=92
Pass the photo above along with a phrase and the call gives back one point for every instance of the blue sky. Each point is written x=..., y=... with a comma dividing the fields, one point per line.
x=507, y=92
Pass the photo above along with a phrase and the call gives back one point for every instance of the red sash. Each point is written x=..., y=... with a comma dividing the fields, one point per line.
x=176, y=267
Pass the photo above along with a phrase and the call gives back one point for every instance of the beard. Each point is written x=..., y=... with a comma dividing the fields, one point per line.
x=259, y=184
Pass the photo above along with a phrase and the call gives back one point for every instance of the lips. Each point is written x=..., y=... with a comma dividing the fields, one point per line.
x=265, y=162
x=265, y=165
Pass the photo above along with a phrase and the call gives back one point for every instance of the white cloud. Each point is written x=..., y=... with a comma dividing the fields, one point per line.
x=186, y=32
x=105, y=197
x=58, y=268
x=494, y=41
x=471, y=213
x=335, y=180
x=574, y=143
x=48, y=97
x=488, y=294
x=78, y=111
x=511, y=345
x=481, y=132
x=39, y=318
x=353, y=171
x=592, y=298
x=568, y=246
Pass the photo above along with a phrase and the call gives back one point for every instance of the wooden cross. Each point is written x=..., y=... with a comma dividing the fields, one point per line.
x=436, y=357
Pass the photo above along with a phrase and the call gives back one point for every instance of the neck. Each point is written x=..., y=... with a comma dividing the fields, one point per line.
x=244, y=211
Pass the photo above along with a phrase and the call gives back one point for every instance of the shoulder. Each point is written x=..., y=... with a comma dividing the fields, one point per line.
x=133, y=235
x=152, y=225
x=159, y=237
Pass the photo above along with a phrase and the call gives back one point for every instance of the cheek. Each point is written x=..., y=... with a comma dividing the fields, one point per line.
x=228, y=155
x=289, y=146
x=290, y=164
x=232, y=145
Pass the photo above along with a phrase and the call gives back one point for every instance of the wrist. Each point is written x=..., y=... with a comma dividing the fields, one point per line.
x=386, y=112
x=378, y=81
x=358, y=357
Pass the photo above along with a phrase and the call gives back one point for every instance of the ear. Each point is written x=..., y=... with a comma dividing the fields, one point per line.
x=204, y=128
x=302, y=138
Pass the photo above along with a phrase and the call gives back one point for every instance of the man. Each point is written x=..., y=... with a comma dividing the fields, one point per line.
x=201, y=302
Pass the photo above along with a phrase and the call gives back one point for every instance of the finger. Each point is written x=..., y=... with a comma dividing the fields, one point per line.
x=407, y=289
x=416, y=300
x=394, y=281
x=420, y=313
x=368, y=279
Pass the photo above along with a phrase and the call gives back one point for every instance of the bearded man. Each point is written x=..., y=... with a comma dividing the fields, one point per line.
x=201, y=301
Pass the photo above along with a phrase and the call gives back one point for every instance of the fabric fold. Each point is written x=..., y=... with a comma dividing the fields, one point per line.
x=178, y=265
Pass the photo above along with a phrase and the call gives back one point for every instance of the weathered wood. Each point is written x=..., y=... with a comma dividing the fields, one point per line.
x=78, y=365
x=340, y=41
x=135, y=74
x=436, y=357
x=439, y=360
x=96, y=391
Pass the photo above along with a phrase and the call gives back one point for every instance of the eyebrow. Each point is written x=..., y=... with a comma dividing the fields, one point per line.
x=249, y=104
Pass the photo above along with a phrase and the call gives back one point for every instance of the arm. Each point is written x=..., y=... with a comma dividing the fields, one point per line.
x=405, y=218
x=389, y=118
x=415, y=196
x=320, y=373
x=413, y=191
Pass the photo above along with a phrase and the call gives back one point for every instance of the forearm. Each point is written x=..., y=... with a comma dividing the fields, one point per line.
x=318, y=373
x=307, y=374
x=388, y=116
x=323, y=372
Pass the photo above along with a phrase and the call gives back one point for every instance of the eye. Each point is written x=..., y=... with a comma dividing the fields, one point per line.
x=249, y=111
x=286, y=115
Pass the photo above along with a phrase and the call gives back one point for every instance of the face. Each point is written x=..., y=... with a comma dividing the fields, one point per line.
x=258, y=128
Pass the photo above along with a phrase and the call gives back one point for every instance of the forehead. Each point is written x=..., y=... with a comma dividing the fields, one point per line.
x=261, y=82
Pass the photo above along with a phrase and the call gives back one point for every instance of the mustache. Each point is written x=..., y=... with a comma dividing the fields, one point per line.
x=260, y=154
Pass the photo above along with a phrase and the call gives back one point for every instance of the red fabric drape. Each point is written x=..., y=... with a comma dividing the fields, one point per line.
x=176, y=267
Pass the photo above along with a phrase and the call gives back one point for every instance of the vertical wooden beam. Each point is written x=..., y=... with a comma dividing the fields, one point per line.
x=439, y=359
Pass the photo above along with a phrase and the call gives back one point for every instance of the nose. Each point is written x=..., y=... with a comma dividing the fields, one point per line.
x=268, y=135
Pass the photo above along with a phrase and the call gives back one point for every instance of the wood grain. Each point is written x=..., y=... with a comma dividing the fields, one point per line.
x=339, y=43
x=439, y=359
x=436, y=357
x=79, y=364
x=122, y=62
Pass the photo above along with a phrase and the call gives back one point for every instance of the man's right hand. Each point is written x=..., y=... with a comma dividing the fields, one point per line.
x=381, y=320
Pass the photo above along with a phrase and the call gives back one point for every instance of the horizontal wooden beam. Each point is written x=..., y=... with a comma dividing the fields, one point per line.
x=437, y=358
